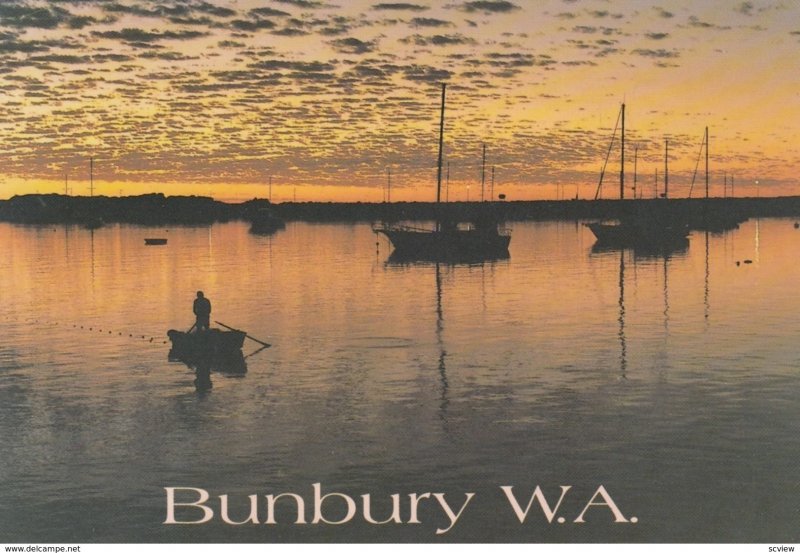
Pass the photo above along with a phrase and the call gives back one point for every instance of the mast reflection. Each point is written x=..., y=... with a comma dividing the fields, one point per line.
x=623, y=361
x=706, y=300
x=444, y=400
x=661, y=253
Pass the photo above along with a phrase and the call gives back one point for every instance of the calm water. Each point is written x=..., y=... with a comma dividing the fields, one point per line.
x=671, y=381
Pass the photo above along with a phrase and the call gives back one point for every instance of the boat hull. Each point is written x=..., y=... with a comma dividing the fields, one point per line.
x=632, y=235
x=215, y=349
x=447, y=245
x=266, y=223
x=267, y=227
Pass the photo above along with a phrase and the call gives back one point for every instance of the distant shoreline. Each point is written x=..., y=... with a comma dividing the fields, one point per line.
x=158, y=209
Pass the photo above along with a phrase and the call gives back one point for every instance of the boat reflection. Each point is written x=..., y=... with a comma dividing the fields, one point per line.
x=677, y=247
x=233, y=364
x=648, y=256
x=400, y=258
x=207, y=351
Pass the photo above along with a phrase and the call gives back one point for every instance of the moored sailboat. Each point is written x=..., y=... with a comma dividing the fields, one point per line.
x=649, y=225
x=447, y=240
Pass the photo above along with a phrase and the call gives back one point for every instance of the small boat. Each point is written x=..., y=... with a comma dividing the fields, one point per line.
x=93, y=223
x=155, y=241
x=265, y=223
x=220, y=350
x=447, y=241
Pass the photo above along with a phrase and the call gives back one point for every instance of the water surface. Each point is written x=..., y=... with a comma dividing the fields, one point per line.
x=671, y=380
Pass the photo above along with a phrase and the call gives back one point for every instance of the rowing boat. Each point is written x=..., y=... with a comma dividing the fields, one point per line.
x=217, y=349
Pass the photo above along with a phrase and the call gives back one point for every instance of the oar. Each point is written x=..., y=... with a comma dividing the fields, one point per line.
x=266, y=345
x=259, y=350
x=191, y=328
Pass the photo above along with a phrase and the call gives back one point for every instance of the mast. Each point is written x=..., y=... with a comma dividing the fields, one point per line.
x=635, y=164
x=707, y=162
x=622, y=158
x=666, y=168
x=656, y=182
x=270, y=189
x=491, y=193
x=608, y=154
x=483, y=170
x=91, y=176
x=439, y=164
x=447, y=184
x=389, y=185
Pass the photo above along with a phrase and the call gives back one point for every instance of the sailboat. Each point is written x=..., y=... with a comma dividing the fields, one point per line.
x=650, y=225
x=448, y=241
x=723, y=218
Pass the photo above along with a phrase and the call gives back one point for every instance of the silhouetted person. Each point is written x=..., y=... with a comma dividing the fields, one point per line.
x=202, y=310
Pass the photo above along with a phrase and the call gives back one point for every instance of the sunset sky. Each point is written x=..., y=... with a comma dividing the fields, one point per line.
x=213, y=97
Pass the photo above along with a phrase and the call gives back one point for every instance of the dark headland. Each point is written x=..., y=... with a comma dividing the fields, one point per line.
x=157, y=209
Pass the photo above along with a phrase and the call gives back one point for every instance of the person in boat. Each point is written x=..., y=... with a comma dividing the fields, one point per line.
x=202, y=310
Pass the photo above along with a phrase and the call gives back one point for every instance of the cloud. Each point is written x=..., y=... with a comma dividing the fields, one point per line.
x=133, y=35
x=499, y=59
x=61, y=58
x=79, y=22
x=400, y=6
x=211, y=9
x=230, y=44
x=590, y=30
x=307, y=4
x=438, y=40
x=697, y=23
x=290, y=31
x=656, y=36
x=664, y=13
x=253, y=25
x=7, y=46
x=660, y=53
x=353, y=46
x=577, y=63
x=269, y=12
x=176, y=10
x=165, y=55
x=429, y=22
x=298, y=66
x=605, y=13
x=23, y=16
x=745, y=8
x=159, y=11
x=426, y=74
x=488, y=6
